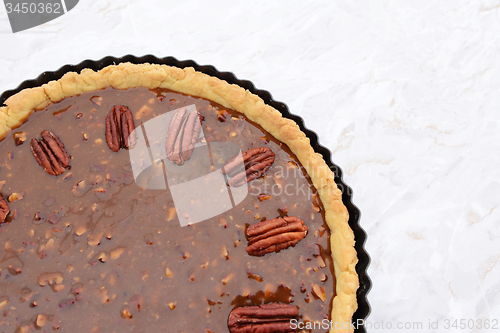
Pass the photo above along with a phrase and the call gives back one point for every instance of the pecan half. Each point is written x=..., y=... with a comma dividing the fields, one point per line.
x=256, y=161
x=119, y=128
x=265, y=318
x=275, y=235
x=4, y=209
x=49, y=152
x=183, y=132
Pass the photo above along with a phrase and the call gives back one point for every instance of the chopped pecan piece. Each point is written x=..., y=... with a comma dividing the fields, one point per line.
x=19, y=138
x=49, y=152
x=253, y=164
x=265, y=318
x=275, y=235
x=183, y=132
x=120, y=128
x=4, y=209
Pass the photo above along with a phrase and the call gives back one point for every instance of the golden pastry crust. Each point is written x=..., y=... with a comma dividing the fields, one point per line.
x=126, y=75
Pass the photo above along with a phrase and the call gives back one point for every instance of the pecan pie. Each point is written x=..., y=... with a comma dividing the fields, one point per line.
x=155, y=198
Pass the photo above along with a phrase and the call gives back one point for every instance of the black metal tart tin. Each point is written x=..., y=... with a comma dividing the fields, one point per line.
x=354, y=214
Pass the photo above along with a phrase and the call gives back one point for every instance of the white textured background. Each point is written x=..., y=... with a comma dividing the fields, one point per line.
x=406, y=94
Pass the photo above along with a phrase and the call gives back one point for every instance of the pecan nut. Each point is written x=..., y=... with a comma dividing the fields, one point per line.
x=265, y=318
x=120, y=128
x=275, y=235
x=4, y=209
x=253, y=164
x=183, y=132
x=49, y=152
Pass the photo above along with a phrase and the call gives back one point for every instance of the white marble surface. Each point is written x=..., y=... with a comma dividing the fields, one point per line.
x=406, y=94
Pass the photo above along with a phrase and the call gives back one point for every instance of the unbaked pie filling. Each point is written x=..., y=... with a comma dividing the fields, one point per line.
x=117, y=242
